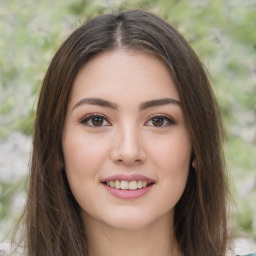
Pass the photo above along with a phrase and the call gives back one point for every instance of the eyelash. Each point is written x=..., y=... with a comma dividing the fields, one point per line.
x=167, y=121
x=85, y=120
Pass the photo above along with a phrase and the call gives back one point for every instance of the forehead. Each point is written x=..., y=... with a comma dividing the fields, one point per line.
x=121, y=75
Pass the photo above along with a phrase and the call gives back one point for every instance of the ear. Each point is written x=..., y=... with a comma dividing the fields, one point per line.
x=194, y=163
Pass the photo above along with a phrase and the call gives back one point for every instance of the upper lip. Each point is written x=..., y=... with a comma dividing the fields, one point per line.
x=128, y=178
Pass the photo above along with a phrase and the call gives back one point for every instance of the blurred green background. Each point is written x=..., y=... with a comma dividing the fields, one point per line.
x=223, y=33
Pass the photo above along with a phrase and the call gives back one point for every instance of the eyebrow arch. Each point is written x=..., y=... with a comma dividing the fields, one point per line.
x=95, y=101
x=143, y=106
x=158, y=102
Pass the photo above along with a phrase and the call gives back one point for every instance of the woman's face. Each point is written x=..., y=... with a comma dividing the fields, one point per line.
x=126, y=145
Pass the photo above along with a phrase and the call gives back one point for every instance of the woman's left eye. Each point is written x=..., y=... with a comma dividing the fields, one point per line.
x=160, y=121
x=95, y=121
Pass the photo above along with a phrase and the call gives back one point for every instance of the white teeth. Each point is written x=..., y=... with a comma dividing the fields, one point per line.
x=117, y=184
x=131, y=185
x=124, y=184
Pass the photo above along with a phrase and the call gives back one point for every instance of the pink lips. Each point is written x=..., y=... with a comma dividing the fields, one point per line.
x=128, y=194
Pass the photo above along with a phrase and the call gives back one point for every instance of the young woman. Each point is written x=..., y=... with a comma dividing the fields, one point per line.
x=127, y=152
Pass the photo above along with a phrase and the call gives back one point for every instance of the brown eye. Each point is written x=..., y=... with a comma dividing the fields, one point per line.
x=158, y=121
x=95, y=120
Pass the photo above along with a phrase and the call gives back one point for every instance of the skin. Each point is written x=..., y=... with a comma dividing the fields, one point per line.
x=127, y=140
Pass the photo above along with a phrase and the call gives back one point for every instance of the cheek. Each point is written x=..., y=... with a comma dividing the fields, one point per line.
x=83, y=161
x=172, y=153
x=83, y=155
x=171, y=159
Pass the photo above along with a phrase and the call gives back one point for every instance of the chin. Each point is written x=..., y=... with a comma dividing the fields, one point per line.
x=131, y=224
x=136, y=221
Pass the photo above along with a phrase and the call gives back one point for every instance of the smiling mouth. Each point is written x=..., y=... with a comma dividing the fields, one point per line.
x=128, y=185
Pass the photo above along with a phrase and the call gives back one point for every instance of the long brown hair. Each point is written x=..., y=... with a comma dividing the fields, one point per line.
x=52, y=220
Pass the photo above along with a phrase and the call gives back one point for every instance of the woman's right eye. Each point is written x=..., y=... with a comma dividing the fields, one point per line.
x=95, y=121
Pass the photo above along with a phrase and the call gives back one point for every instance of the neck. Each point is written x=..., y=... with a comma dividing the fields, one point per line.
x=155, y=239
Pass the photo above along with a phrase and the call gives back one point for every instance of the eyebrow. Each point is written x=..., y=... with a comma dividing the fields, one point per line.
x=158, y=102
x=96, y=101
x=143, y=106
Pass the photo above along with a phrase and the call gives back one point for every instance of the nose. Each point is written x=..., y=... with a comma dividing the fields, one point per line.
x=128, y=148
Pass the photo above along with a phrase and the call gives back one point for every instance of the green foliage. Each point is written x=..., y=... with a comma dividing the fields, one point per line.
x=221, y=32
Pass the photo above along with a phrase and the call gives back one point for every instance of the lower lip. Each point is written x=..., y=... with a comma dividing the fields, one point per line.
x=128, y=194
